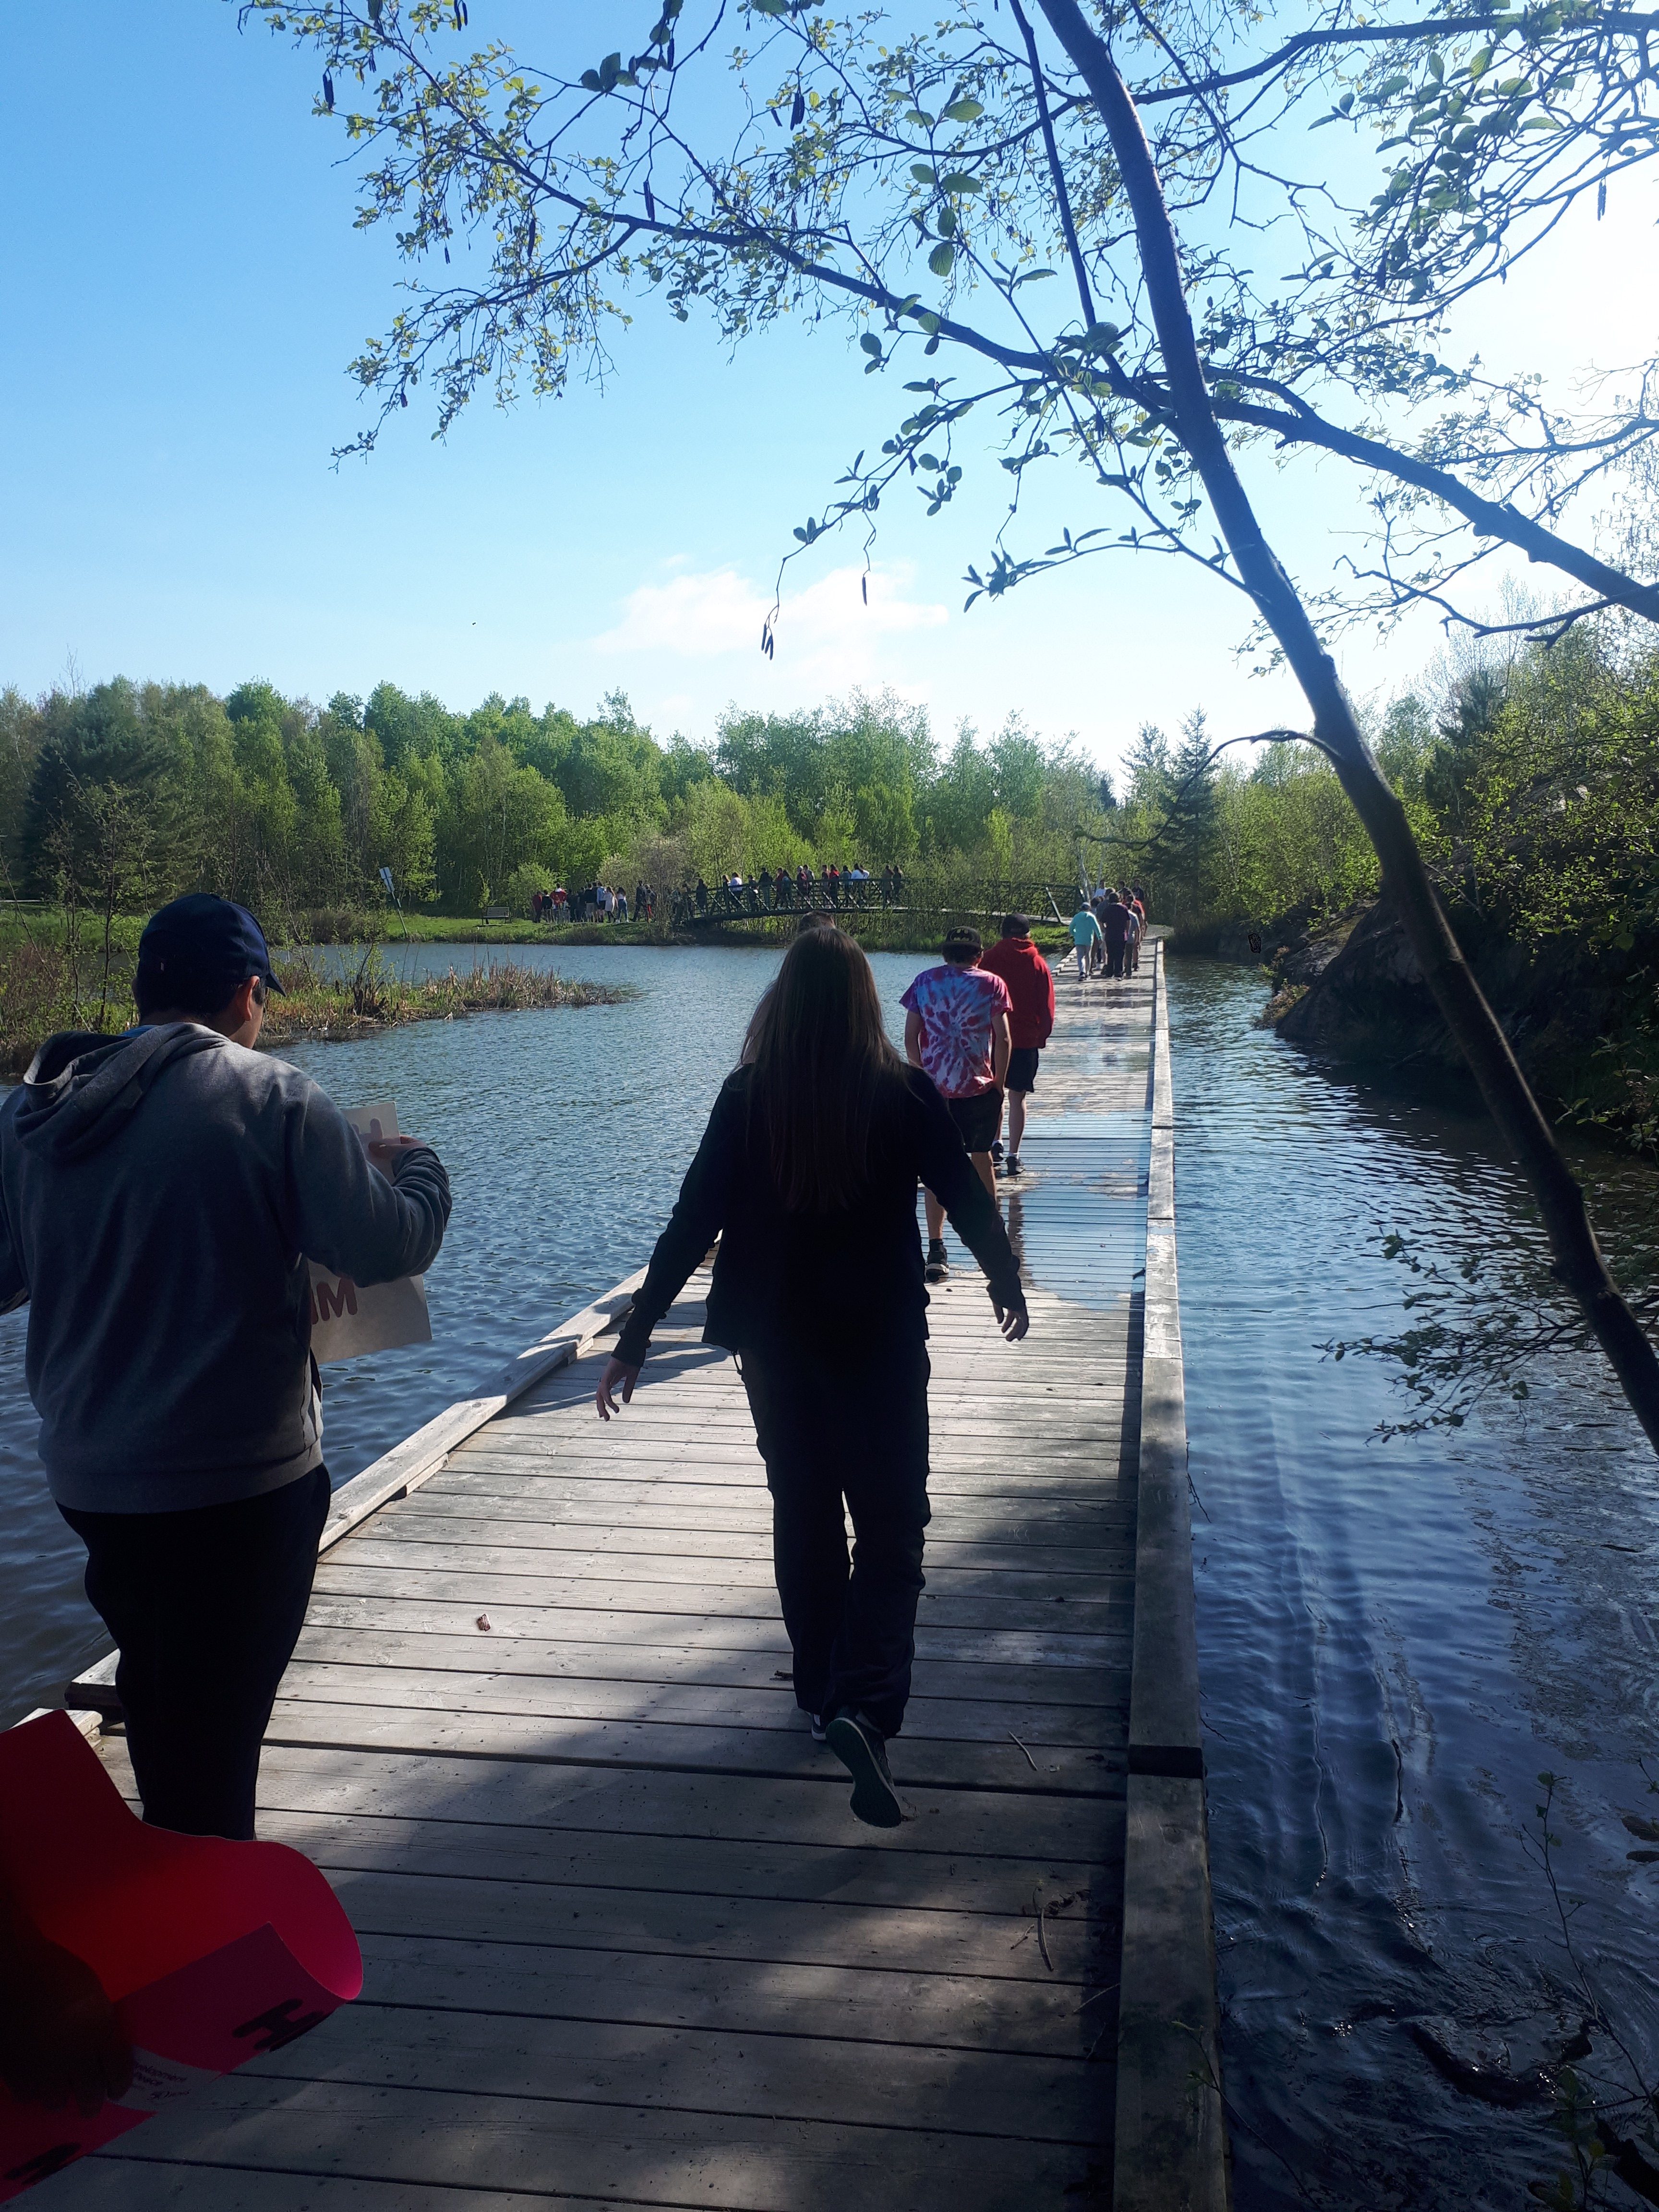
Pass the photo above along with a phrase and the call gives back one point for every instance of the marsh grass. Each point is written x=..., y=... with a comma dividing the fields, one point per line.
x=42, y=989
x=372, y=995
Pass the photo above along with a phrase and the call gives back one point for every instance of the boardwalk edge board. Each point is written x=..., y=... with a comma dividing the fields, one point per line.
x=91, y=1696
x=1170, y=2147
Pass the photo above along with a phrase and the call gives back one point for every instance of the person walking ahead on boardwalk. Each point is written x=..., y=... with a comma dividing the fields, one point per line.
x=1031, y=982
x=160, y=1193
x=956, y=1027
x=807, y=1172
x=1086, y=939
x=1114, y=925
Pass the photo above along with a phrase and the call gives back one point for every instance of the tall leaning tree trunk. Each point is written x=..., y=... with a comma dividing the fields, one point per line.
x=1577, y=1258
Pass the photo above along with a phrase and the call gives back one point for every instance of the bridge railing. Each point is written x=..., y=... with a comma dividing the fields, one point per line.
x=970, y=900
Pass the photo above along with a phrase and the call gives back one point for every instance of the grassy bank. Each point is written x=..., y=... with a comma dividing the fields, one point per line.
x=46, y=985
x=878, y=929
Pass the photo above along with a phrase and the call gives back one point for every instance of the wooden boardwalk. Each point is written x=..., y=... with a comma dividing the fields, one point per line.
x=624, y=1942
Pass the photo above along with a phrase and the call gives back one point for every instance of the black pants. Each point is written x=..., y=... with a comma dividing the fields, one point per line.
x=856, y=1428
x=206, y=1607
x=1115, y=949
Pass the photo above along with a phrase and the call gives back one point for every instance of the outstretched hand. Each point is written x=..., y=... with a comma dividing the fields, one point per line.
x=616, y=1371
x=1012, y=1319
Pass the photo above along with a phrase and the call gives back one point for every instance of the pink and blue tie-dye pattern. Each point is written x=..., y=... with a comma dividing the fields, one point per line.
x=958, y=1007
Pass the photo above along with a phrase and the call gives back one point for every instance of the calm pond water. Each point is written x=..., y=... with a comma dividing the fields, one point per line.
x=1396, y=1637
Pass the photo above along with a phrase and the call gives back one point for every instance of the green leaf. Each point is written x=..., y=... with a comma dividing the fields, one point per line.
x=942, y=259
x=966, y=110
x=947, y=222
x=920, y=118
x=959, y=181
x=924, y=173
x=871, y=344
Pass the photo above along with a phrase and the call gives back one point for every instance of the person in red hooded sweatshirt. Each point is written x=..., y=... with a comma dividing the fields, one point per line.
x=1031, y=982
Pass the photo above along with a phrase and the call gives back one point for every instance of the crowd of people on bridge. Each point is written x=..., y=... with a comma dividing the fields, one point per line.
x=831, y=889
x=598, y=902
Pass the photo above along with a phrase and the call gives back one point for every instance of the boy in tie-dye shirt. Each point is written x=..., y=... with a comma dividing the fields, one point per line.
x=957, y=1031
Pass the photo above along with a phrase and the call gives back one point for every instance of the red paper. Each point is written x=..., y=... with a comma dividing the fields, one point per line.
x=212, y=1951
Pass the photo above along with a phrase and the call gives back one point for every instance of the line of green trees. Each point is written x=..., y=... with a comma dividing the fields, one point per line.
x=118, y=795
x=1531, y=781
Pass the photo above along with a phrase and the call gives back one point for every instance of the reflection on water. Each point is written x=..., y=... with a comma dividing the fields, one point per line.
x=1395, y=1640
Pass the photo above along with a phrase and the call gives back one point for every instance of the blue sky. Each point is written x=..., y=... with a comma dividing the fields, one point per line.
x=184, y=288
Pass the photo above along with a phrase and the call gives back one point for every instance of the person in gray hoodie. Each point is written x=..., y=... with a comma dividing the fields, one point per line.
x=159, y=1194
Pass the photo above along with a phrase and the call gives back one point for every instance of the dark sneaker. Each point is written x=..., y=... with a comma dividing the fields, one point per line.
x=996, y=1148
x=937, y=1266
x=1010, y=1165
x=819, y=1725
x=857, y=1742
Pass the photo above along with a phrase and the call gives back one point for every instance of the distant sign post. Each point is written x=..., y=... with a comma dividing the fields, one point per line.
x=391, y=893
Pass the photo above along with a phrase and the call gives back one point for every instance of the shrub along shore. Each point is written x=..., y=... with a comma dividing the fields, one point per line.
x=46, y=983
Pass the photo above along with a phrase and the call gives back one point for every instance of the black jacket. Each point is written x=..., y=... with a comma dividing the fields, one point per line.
x=787, y=1281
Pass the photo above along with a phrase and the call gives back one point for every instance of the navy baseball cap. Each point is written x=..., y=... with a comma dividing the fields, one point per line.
x=210, y=938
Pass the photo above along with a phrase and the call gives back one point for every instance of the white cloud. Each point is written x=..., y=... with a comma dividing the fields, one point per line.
x=828, y=629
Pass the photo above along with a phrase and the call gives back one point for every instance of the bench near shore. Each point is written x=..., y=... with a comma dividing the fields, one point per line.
x=624, y=1942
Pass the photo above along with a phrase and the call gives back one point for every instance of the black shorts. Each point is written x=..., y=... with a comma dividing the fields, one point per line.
x=1023, y=1066
x=977, y=1118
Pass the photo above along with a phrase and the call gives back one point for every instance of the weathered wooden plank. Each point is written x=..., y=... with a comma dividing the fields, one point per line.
x=1055, y=1472
x=372, y=1643
x=612, y=1516
x=1029, y=2096
x=141, y=2182
x=762, y=1706
x=610, y=2153
x=447, y=1537
x=892, y=1938
x=861, y=2006
x=727, y=1866
x=918, y=1762
x=975, y=1611
x=1051, y=1644
x=1010, y=1581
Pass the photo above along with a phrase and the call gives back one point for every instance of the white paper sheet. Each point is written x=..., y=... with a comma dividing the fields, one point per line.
x=348, y=1320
